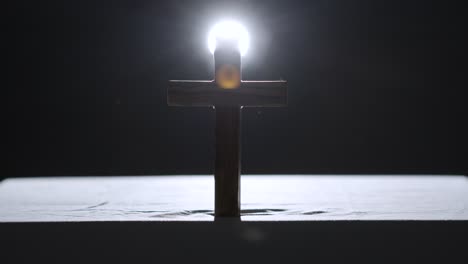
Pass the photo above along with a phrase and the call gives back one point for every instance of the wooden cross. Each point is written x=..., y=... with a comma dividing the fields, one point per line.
x=227, y=94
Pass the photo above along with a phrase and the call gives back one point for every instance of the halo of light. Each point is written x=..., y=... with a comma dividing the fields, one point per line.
x=229, y=30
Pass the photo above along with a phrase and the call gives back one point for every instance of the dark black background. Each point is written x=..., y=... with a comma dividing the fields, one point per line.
x=374, y=87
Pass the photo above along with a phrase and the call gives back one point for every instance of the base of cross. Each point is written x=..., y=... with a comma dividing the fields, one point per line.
x=228, y=105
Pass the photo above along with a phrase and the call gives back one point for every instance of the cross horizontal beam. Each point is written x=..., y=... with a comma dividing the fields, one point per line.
x=206, y=93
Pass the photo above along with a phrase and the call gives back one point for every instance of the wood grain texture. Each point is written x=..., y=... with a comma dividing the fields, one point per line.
x=206, y=93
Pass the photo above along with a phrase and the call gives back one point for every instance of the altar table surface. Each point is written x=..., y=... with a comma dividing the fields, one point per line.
x=263, y=198
x=285, y=219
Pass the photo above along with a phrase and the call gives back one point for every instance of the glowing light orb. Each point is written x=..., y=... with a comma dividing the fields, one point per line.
x=229, y=30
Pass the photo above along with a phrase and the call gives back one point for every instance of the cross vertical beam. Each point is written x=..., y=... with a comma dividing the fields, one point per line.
x=228, y=160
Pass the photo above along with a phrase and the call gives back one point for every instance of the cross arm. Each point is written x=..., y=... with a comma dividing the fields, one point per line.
x=206, y=93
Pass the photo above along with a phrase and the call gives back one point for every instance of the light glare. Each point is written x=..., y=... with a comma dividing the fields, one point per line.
x=229, y=30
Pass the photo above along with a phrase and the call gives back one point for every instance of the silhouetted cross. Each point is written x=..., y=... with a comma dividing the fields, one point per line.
x=227, y=94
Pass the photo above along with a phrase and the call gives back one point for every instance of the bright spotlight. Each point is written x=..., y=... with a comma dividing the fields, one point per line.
x=229, y=31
